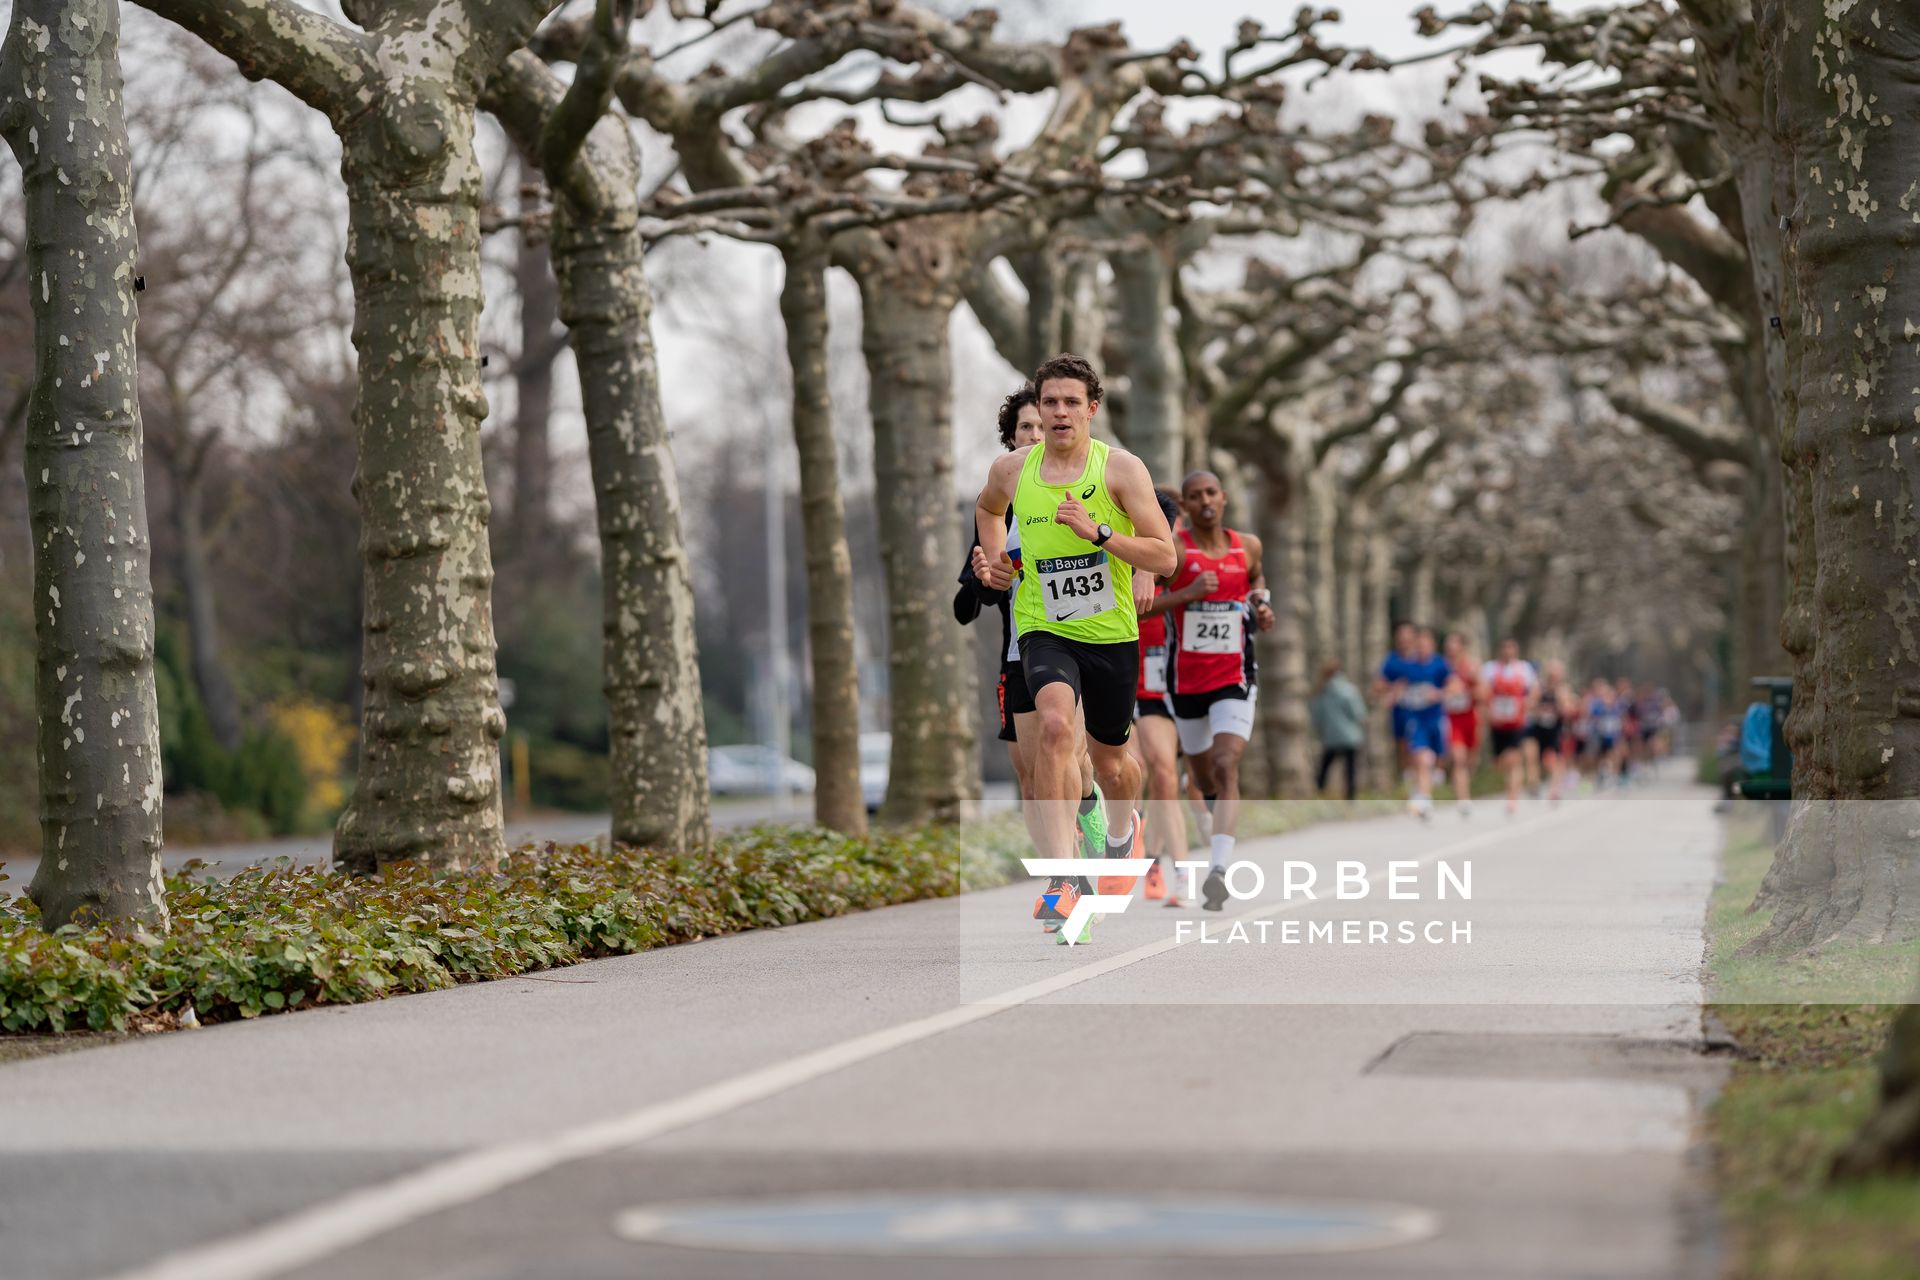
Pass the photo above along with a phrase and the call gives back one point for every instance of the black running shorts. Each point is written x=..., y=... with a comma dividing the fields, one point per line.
x=1194, y=706
x=1015, y=700
x=1103, y=678
x=1505, y=740
x=1156, y=706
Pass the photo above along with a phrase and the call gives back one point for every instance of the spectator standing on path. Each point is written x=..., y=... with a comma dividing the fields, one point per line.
x=1340, y=722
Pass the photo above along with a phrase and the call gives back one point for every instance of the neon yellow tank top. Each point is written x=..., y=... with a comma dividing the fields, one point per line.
x=1067, y=585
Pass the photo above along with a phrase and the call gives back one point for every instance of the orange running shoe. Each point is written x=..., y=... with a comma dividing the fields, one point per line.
x=1156, y=882
x=1054, y=905
x=1120, y=885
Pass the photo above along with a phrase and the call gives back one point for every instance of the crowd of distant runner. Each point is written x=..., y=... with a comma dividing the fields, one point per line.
x=1542, y=731
x=1128, y=684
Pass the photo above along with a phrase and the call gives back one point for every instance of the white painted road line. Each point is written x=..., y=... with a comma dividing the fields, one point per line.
x=359, y=1216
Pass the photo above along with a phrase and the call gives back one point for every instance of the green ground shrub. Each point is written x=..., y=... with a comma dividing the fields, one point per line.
x=270, y=939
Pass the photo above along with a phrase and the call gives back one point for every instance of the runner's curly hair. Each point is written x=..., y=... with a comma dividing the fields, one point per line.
x=1010, y=411
x=1068, y=365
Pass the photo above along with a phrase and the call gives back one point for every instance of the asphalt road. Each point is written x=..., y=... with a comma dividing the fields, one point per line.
x=1524, y=1104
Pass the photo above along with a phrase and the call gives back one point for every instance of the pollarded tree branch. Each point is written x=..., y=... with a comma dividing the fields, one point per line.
x=1701, y=443
x=1003, y=316
x=499, y=27
x=591, y=93
x=318, y=61
x=1364, y=422
x=1705, y=252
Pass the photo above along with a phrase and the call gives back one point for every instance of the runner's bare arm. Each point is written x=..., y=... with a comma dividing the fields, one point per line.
x=990, y=562
x=1150, y=545
x=1166, y=599
x=1257, y=592
x=1202, y=586
x=1143, y=592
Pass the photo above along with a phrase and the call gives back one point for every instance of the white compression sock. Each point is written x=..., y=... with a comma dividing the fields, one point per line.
x=1222, y=850
x=1123, y=846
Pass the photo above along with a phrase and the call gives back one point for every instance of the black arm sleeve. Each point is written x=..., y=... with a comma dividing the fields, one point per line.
x=967, y=600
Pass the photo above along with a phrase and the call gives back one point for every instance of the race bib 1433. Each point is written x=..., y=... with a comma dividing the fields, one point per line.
x=1075, y=586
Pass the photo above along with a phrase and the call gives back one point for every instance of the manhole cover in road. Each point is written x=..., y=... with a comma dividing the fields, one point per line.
x=1023, y=1224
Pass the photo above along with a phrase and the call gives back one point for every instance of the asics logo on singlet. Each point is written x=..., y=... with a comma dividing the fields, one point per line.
x=1090, y=903
x=1088, y=491
x=1038, y=520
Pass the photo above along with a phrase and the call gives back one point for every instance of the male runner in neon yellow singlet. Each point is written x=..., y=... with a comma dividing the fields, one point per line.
x=1088, y=518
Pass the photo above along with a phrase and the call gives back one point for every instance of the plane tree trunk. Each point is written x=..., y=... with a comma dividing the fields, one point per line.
x=401, y=96
x=98, y=723
x=656, y=718
x=837, y=799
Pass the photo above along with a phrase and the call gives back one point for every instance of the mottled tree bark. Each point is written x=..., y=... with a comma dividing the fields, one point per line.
x=1849, y=870
x=427, y=784
x=656, y=718
x=99, y=728
x=837, y=800
x=1317, y=518
x=1261, y=776
x=933, y=775
x=1349, y=567
x=1044, y=273
x=1420, y=598
x=1285, y=683
x=657, y=722
x=1376, y=638
x=401, y=96
x=539, y=295
x=1084, y=310
x=1734, y=44
x=1157, y=382
x=1850, y=293
x=1762, y=556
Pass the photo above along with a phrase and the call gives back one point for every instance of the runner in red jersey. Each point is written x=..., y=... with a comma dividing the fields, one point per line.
x=1460, y=698
x=1509, y=687
x=1157, y=743
x=1217, y=599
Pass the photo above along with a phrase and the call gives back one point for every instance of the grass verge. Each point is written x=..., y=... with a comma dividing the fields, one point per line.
x=1804, y=1081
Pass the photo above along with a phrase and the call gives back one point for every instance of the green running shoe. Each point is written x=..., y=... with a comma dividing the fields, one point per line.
x=1086, y=935
x=1093, y=827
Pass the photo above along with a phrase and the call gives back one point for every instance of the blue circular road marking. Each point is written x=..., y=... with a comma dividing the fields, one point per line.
x=1026, y=1223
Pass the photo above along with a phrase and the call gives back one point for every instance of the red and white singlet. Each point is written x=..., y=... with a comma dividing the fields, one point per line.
x=1212, y=643
x=1508, y=684
x=1153, y=657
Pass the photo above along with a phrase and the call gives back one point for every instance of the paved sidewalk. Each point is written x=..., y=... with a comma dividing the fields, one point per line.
x=1532, y=1095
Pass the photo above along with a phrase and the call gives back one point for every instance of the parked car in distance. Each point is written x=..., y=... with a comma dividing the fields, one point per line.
x=875, y=750
x=747, y=770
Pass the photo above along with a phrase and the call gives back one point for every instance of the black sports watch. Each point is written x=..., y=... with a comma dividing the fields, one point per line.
x=1101, y=532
